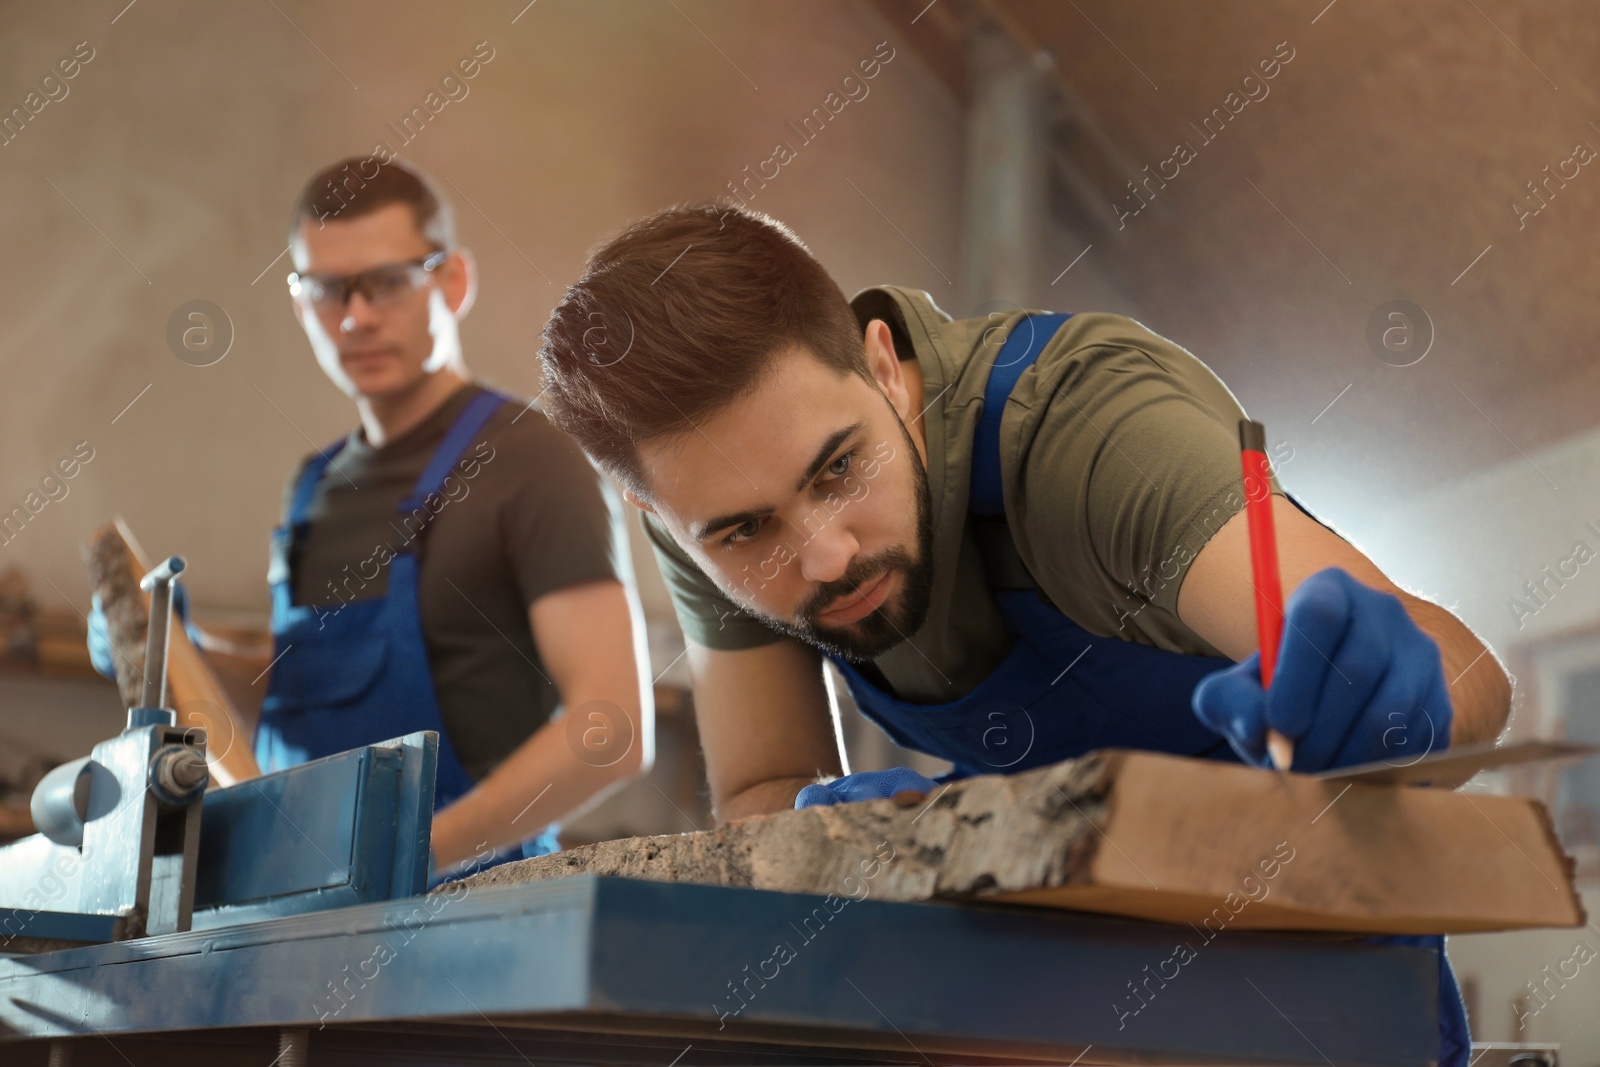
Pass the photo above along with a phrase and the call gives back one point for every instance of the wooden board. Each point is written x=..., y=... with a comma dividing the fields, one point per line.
x=15, y=821
x=1193, y=841
x=116, y=563
x=1145, y=835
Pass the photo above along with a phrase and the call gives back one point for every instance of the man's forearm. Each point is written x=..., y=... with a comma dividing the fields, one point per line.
x=542, y=781
x=761, y=798
x=1480, y=691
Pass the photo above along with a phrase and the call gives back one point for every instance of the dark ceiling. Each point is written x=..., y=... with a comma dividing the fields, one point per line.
x=1382, y=162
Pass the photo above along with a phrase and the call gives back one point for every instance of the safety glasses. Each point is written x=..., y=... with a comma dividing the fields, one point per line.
x=381, y=286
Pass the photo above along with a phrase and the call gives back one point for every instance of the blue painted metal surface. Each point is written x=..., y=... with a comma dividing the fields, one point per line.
x=352, y=828
x=703, y=964
x=288, y=832
x=19, y=924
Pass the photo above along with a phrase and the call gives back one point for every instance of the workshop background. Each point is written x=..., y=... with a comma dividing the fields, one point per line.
x=1374, y=221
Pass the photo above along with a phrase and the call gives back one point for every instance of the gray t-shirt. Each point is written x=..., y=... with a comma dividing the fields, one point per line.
x=524, y=514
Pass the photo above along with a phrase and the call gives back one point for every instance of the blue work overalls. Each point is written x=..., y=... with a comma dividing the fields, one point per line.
x=358, y=675
x=1049, y=699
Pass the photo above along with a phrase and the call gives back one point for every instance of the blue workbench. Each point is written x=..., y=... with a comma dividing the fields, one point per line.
x=598, y=969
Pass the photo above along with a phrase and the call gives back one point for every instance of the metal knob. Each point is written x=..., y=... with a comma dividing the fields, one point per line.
x=178, y=773
x=60, y=802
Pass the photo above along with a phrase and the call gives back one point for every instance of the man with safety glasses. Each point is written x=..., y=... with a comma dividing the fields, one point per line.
x=454, y=563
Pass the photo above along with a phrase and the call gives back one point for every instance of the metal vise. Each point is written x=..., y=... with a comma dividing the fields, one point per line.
x=128, y=814
x=122, y=852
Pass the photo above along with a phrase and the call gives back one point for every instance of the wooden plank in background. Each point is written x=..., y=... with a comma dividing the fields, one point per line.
x=116, y=563
x=15, y=821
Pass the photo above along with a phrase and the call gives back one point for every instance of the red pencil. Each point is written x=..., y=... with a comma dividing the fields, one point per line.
x=1264, y=567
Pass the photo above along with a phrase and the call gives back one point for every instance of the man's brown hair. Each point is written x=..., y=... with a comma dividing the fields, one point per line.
x=361, y=185
x=677, y=317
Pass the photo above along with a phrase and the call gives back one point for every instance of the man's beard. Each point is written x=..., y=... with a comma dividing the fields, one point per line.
x=893, y=621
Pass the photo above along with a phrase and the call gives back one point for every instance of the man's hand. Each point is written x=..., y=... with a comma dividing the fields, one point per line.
x=102, y=655
x=865, y=785
x=1217, y=602
x=1356, y=681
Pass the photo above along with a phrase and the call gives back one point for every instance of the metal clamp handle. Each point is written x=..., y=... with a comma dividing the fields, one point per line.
x=158, y=583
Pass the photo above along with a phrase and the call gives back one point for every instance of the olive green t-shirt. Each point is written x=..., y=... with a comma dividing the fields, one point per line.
x=1119, y=456
x=523, y=513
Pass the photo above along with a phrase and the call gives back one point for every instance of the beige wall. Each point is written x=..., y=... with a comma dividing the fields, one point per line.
x=165, y=176
x=1472, y=544
x=184, y=139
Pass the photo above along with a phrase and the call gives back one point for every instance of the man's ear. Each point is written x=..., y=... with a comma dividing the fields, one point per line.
x=460, y=282
x=884, y=363
x=299, y=261
x=628, y=495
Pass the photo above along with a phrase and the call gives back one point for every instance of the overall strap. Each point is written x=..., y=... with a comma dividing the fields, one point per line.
x=307, y=485
x=473, y=418
x=985, y=499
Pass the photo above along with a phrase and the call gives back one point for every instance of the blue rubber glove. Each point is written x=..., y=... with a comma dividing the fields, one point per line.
x=100, y=653
x=1357, y=681
x=867, y=785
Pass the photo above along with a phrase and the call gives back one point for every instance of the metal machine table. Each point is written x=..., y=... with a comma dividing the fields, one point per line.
x=611, y=970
